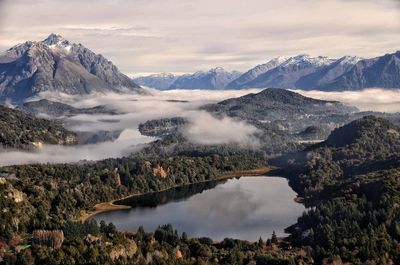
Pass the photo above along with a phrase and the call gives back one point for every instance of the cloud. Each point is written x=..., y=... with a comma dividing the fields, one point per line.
x=184, y=36
x=136, y=109
x=202, y=128
x=129, y=141
x=380, y=100
x=206, y=129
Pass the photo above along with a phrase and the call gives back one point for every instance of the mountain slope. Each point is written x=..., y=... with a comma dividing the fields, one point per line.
x=23, y=131
x=216, y=78
x=327, y=74
x=253, y=73
x=382, y=72
x=55, y=64
x=351, y=183
x=285, y=74
x=158, y=81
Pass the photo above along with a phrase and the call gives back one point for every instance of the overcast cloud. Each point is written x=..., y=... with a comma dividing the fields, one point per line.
x=147, y=36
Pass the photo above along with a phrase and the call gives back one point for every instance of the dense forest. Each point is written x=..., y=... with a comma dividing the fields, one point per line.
x=48, y=197
x=56, y=109
x=350, y=182
x=23, y=131
x=161, y=127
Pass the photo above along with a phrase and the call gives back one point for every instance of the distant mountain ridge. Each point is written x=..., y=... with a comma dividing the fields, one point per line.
x=383, y=71
x=216, y=78
x=298, y=72
x=161, y=81
x=323, y=73
x=287, y=73
x=55, y=64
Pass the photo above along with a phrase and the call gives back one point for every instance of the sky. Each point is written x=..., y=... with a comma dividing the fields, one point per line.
x=179, y=36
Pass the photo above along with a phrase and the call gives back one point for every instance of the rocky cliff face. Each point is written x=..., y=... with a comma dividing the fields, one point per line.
x=55, y=64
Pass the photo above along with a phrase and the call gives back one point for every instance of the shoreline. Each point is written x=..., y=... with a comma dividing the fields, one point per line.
x=110, y=206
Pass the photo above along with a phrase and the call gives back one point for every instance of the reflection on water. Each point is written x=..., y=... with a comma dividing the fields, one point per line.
x=158, y=198
x=244, y=208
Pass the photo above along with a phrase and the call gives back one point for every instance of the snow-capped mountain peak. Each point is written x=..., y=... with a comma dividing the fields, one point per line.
x=217, y=70
x=55, y=41
x=307, y=59
x=350, y=59
x=55, y=64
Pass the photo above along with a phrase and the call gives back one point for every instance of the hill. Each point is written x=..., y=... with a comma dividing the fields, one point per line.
x=58, y=109
x=21, y=131
x=352, y=184
x=288, y=110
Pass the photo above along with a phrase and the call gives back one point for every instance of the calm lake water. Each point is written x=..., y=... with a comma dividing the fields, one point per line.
x=244, y=208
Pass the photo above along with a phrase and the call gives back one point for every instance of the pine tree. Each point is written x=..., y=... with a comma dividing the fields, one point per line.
x=274, y=238
x=184, y=237
x=261, y=242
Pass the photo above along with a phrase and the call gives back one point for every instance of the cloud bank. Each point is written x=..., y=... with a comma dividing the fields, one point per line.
x=206, y=129
x=136, y=109
x=380, y=100
x=202, y=128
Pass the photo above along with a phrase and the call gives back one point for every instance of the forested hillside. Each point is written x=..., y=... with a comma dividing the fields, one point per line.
x=352, y=183
x=53, y=197
x=23, y=131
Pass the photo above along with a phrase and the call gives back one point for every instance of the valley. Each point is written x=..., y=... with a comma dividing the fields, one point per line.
x=170, y=168
x=95, y=169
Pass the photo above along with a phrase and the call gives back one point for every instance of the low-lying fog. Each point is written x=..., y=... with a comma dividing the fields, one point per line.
x=203, y=128
x=137, y=109
x=367, y=100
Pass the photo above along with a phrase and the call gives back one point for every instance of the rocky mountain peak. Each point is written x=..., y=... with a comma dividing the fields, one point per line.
x=56, y=64
x=55, y=41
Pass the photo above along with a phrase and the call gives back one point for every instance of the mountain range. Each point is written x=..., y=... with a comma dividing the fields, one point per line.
x=299, y=72
x=55, y=64
x=161, y=81
x=216, y=78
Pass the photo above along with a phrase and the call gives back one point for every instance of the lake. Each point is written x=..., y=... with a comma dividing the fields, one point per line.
x=244, y=208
